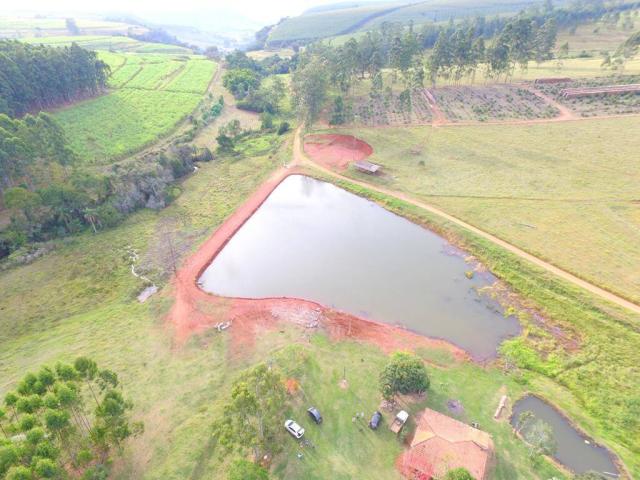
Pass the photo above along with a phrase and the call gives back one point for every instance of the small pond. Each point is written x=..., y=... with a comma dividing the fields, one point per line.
x=315, y=241
x=573, y=452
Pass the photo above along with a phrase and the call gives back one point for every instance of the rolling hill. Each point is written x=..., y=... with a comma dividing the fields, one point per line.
x=345, y=18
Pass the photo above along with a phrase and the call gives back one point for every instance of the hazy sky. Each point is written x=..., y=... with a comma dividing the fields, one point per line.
x=260, y=11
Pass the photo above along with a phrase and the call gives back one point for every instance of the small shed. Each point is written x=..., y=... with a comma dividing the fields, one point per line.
x=367, y=167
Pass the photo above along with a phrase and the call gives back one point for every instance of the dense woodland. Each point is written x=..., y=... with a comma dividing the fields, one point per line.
x=37, y=77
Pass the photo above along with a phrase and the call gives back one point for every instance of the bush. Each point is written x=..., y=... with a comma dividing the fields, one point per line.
x=266, y=121
x=246, y=470
x=405, y=373
x=283, y=128
x=458, y=474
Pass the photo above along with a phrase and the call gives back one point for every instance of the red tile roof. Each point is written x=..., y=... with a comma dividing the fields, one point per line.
x=442, y=443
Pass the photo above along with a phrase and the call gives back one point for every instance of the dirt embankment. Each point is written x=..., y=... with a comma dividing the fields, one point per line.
x=195, y=311
x=336, y=151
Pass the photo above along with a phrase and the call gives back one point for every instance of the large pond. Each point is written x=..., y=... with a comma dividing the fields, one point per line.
x=574, y=451
x=315, y=241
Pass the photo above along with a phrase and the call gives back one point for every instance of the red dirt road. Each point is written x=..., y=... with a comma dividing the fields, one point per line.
x=336, y=151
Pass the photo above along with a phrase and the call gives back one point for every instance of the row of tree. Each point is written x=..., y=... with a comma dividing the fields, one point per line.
x=459, y=52
x=36, y=77
x=69, y=418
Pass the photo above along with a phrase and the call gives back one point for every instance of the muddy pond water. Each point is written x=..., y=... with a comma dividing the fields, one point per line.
x=315, y=241
x=573, y=452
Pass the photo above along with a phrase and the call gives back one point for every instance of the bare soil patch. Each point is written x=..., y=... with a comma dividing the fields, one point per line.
x=336, y=151
x=493, y=102
x=596, y=105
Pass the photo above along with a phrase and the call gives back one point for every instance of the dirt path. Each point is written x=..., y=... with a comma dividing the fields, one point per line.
x=439, y=118
x=565, y=112
x=301, y=158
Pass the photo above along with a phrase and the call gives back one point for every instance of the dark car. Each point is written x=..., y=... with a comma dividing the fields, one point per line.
x=376, y=418
x=315, y=415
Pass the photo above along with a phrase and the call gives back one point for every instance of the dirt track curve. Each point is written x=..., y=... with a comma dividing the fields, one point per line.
x=300, y=158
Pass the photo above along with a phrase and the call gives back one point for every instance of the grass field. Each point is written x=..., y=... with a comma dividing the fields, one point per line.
x=564, y=191
x=152, y=93
x=596, y=37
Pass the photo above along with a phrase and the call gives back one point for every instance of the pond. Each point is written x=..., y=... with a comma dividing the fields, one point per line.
x=315, y=241
x=573, y=451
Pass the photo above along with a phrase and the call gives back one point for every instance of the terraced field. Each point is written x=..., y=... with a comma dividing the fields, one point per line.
x=151, y=95
x=23, y=27
x=339, y=21
x=118, y=43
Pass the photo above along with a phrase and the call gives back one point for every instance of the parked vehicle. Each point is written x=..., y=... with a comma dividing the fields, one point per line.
x=399, y=421
x=294, y=429
x=376, y=418
x=315, y=415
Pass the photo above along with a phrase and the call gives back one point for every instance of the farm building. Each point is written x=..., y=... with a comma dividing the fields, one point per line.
x=367, y=167
x=442, y=443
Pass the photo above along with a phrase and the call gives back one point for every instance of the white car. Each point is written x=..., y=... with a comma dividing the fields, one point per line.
x=294, y=429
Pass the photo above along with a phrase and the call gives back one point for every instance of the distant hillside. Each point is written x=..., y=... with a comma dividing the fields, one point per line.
x=351, y=17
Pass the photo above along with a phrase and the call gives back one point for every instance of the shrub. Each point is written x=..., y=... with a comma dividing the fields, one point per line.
x=458, y=474
x=283, y=128
x=246, y=470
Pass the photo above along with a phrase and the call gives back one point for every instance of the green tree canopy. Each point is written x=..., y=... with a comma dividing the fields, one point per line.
x=404, y=373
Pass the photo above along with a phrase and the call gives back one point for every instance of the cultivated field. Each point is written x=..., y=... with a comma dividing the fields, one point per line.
x=153, y=93
x=26, y=27
x=118, y=43
x=341, y=20
x=597, y=104
x=494, y=102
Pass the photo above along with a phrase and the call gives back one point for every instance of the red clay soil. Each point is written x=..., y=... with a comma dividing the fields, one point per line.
x=194, y=311
x=336, y=151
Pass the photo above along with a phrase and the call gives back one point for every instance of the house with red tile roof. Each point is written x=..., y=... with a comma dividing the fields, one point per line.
x=442, y=443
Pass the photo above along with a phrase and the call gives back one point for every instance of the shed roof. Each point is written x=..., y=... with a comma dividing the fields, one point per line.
x=367, y=166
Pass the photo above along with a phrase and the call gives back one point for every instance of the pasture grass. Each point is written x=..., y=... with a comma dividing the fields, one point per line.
x=562, y=191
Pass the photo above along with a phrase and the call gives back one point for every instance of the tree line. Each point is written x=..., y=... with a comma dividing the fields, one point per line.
x=37, y=77
x=69, y=418
x=245, y=79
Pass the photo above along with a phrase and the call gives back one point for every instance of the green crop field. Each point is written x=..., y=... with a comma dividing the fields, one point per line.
x=114, y=125
x=193, y=78
x=153, y=93
x=333, y=22
x=25, y=27
x=563, y=191
x=118, y=43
